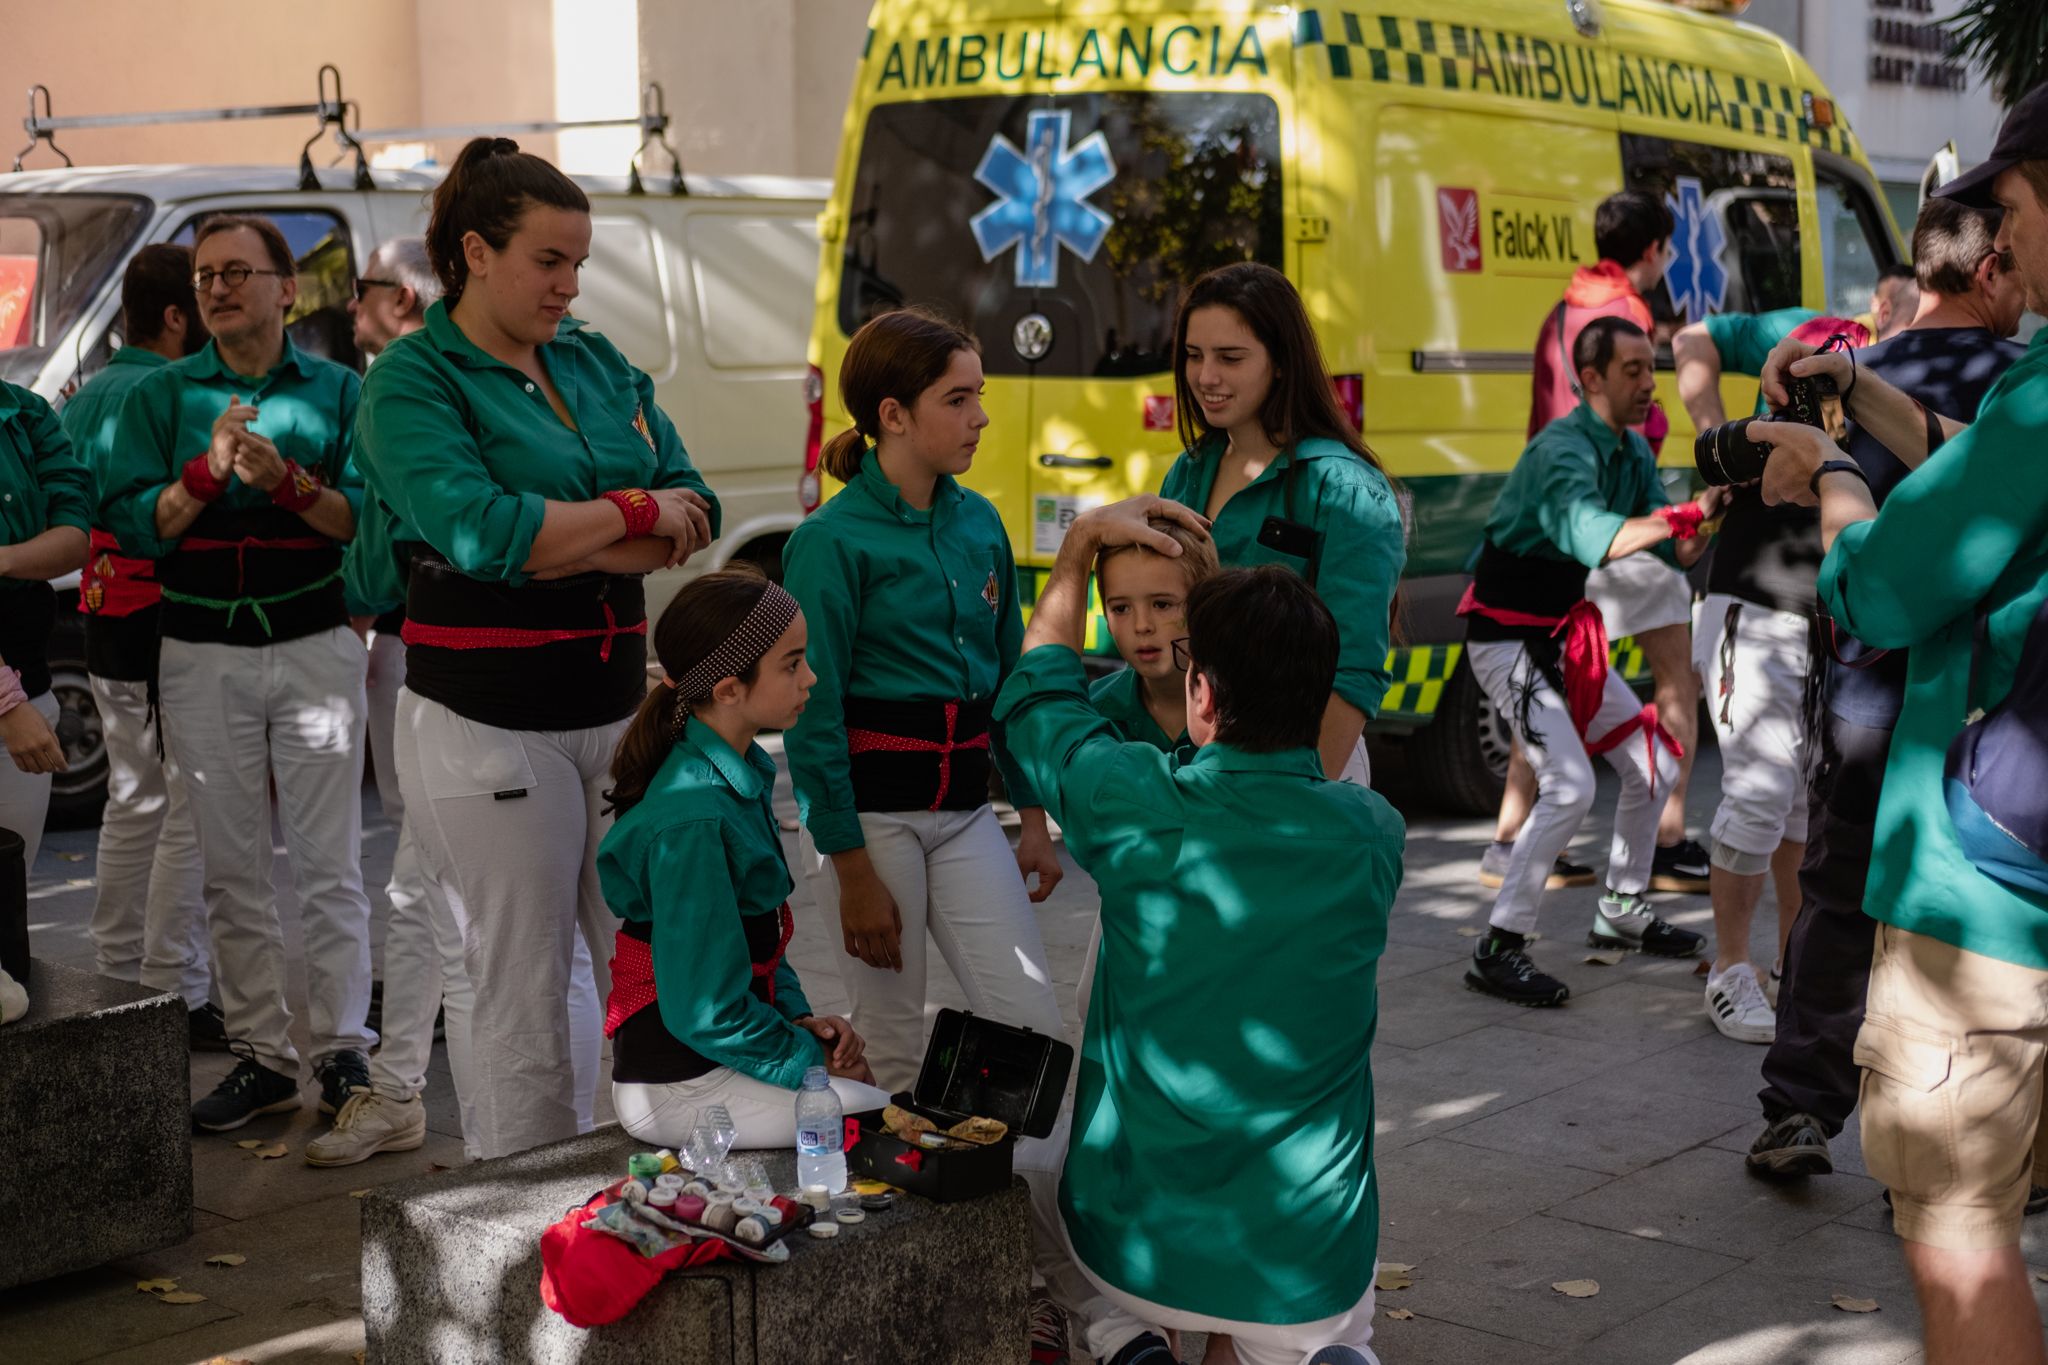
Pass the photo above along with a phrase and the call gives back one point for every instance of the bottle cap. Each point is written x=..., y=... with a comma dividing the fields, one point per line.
x=752, y=1231
x=824, y=1230
x=668, y=1180
x=849, y=1215
x=816, y=1079
x=643, y=1166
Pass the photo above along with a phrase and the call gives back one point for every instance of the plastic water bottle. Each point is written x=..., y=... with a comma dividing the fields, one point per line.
x=820, y=1134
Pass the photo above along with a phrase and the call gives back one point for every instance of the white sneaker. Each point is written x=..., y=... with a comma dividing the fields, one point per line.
x=368, y=1124
x=1774, y=983
x=1737, y=1006
x=13, y=999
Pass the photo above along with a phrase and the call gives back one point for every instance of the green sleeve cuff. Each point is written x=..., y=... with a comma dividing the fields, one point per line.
x=835, y=830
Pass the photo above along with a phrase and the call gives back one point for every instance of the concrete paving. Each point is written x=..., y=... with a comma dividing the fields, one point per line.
x=1517, y=1148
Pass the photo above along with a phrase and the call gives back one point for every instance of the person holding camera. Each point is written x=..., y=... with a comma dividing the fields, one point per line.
x=1949, y=356
x=1955, y=1029
x=1584, y=493
x=1751, y=635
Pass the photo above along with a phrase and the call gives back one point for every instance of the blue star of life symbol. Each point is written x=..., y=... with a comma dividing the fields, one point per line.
x=1697, y=281
x=1041, y=198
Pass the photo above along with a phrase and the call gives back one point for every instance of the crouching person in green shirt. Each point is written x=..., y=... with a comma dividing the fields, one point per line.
x=1218, y=1174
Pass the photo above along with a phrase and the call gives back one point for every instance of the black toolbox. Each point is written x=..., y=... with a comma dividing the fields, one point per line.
x=974, y=1068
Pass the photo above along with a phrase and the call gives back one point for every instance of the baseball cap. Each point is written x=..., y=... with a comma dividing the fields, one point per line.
x=2022, y=137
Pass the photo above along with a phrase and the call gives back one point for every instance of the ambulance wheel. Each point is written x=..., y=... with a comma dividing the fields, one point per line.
x=78, y=793
x=1460, y=759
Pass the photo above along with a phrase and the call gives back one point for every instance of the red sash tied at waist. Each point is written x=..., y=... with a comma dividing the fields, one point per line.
x=247, y=543
x=1582, y=659
x=416, y=632
x=113, y=584
x=633, y=972
x=868, y=741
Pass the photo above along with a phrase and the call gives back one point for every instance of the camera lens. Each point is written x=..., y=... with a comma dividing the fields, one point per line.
x=1725, y=454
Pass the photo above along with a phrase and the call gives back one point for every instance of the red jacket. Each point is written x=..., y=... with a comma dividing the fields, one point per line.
x=1602, y=290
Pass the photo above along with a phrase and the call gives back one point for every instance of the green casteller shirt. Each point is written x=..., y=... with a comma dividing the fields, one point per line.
x=700, y=850
x=1360, y=543
x=308, y=410
x=1966, y=533
x=91, y=415
x=1745, y=340
x=371, y=574
x=465, y=451
x=43, y=481
x=1222, y=1159
x=902, y=605
x=1574, y=486
x=1120, y=698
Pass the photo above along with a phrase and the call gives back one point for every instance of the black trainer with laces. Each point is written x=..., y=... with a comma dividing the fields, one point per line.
x=1790, y=1149
x=1502, y=970
x=1148, y=1348
x=1049, y=1343
x=341, y=1076
x=250, y=1089
x=1681, y=867
x=1626, y=922
x=206, y=1029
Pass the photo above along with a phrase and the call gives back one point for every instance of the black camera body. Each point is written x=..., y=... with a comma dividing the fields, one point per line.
x=1725, y=454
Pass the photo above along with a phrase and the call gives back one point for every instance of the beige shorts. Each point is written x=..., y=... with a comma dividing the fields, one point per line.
x=1639, y=592
x=1952, y=1048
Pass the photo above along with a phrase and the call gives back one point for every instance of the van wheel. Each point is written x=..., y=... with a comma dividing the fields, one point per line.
x=1460, y=759
x=79, y=792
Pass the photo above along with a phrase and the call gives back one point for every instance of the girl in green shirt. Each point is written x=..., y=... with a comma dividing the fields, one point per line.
x=1284, y=477
x=705, y=1008
x=911, y=594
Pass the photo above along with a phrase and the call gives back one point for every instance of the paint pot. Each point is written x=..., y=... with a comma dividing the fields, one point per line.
x=823, y=1230
x=770, y=1215
x=689, y=1208
x=643, y=1166
x=663, y=1199
x=849, y=1215
x=633, y=1192
x=881, y=1201
x=668, y=1180
x=752, y=1231
x=818, y=1197
x=720, y=1216
x=698, y=1188
x=668, y=1161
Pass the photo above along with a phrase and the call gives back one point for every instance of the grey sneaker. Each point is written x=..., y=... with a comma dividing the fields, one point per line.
x=1790, y=1149
x=369, y=1123
x=1626, y=922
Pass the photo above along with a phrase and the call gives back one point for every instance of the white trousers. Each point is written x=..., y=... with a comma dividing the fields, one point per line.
x=149, y=920
x=25, y=797
x=1754, y=681
x=235, y=717
x=423, y=967
x=1565, y=782
x=1110, y=1317
x=954, y=878
x=763, y=1114
x=508, y=822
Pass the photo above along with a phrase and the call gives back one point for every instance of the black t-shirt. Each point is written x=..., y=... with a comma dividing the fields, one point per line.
x=1766, y=555
x=1949, y=369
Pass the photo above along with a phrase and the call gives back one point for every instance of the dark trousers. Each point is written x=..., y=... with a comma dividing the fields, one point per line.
x=1811, y=1067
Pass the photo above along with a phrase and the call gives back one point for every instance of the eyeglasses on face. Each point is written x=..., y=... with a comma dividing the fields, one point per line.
x=367, y=283
x=1182, y=660
x=234, y=276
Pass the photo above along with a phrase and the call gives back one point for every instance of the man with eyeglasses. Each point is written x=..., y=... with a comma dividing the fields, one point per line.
x=231, y=468
x=392, y=294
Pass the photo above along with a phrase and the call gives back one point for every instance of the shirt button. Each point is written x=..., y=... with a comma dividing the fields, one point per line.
x=529, y=386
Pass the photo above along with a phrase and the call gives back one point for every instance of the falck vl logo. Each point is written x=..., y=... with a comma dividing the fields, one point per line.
x=1697, y=280
x=1041, y=198
x=1457, y=213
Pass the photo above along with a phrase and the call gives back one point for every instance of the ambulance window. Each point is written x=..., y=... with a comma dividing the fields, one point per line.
x=1851, y=253
x=319, y=322
x=1092, y=211
x=1735, y=244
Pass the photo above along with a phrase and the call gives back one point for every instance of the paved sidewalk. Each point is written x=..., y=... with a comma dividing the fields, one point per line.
x=1517, y=1148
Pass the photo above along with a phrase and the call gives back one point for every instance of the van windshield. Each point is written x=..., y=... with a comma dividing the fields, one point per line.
x=56, y=250
x=1091, y=211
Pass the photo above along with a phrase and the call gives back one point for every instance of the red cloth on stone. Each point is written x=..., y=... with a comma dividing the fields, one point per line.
x=591, y=1277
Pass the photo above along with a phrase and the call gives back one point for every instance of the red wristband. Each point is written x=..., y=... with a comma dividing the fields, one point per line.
x=638, y=507
x=297, y=490
x=1684, y=519
x=199, y=480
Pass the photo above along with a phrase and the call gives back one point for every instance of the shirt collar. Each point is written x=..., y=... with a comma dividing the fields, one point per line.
x=452, y=342
x=749, y=777
x=945, y=492
x=1227, y=758
x=138, y=355
x=1590, y=424
x=206, y=363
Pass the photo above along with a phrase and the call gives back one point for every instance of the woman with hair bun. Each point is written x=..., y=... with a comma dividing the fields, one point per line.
x=526, y=481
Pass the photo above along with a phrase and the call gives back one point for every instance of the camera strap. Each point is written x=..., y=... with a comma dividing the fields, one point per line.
x=1564, y=356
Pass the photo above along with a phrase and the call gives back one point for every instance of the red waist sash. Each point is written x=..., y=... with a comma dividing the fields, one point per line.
x=416, y=632
x=114, y=584
x=869, y=741
x=633, y=972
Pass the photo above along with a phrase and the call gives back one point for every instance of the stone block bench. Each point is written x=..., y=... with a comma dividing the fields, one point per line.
x=95, y=1125
x=451, y=1275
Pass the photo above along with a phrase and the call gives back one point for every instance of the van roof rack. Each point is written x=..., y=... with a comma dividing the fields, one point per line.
x=331, y=110
x=652, y=121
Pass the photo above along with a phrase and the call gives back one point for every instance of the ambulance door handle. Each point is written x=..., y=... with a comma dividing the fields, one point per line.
x=1076, y=461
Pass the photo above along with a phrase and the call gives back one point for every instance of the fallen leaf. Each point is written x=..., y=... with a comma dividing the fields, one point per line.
x=250, y=1144
x=226, y=1258
x=1469, y=931
x=1392, y=1275
x=1849, y=1305
x=155, y=1286
x=435, y=1168
x=229, y=1360
x=1702, y=969
x=359, y=1357
x=182, y=1297
x=1399, y=1314
x=358, y=1194
x=1607, y=959
x=72, y=857
x=1577, y=1289
x=272, y=1152
x=2041, y=1275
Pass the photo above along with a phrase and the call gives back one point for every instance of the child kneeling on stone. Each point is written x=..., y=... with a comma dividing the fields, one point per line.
x=704, y=1007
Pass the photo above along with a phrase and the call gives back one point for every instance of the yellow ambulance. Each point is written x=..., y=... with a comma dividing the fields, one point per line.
x=1054, y=172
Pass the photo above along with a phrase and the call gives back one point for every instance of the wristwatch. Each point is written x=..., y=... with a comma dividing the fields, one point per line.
x=1836, y=466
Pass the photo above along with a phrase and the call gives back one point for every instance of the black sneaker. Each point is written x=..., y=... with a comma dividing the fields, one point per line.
x=341, y=1076
x=250, y=1089
x=1681, y=867
x=1791, y=1149
x=373, y=1020
x=1625, y=922
x=1149, y=1348
x=1508, y=973
x=206, y=1029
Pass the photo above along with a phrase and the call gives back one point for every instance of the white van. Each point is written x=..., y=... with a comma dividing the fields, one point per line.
x=711, y=292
